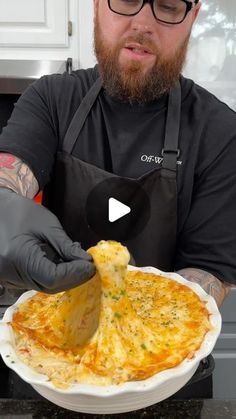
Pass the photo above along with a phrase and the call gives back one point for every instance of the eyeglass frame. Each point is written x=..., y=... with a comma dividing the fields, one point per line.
x=189, y=6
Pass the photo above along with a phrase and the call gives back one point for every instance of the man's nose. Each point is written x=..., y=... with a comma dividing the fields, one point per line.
x=144, y=21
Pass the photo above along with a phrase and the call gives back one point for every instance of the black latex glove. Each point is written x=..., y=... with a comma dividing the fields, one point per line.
x=27, y=231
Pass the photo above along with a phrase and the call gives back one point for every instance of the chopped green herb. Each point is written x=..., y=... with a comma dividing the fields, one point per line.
x=167, y=323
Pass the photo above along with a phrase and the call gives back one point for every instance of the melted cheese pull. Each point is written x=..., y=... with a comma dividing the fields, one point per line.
x=119, y=326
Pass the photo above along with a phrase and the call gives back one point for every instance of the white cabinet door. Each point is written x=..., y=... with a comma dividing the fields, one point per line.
x=34, y=23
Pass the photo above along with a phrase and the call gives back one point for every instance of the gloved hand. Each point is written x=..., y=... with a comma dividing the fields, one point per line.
x=26, y=230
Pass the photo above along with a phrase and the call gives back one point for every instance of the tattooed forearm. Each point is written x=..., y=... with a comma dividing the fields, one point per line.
x=17, y=176
x=212, y=285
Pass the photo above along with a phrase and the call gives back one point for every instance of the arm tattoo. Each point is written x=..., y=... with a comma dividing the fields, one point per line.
x=17, y=176
x=212, y=285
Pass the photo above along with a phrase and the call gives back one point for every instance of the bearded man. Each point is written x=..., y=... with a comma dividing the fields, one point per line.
x=133, y=129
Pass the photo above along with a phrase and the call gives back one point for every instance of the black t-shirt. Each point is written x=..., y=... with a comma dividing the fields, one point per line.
x=127, y=140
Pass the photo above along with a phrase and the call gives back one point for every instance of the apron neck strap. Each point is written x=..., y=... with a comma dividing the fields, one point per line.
x=80, y=117
x=170, y=151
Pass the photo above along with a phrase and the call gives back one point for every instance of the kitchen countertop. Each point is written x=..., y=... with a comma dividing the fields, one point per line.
x=168, y=409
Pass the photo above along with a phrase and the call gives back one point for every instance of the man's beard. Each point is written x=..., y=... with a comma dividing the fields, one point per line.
x=132, y=84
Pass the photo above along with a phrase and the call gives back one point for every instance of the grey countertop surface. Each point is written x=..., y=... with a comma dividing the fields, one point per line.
x=169, y=409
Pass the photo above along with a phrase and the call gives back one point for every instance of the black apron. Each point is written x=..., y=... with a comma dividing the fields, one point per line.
x=73, y=180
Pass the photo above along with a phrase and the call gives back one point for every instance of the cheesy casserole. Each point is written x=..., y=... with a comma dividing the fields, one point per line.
x=119, y=326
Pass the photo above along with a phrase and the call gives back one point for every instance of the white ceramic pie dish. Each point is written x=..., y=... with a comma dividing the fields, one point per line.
x=117, y=398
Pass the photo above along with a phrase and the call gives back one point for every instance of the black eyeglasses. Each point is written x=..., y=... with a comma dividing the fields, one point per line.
x=166, y=11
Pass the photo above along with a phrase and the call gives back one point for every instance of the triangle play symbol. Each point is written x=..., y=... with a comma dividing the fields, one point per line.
x=116, y=210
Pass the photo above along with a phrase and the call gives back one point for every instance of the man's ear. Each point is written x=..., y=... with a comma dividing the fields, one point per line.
x=95, y=6
x=196, y=10
x=95, y=10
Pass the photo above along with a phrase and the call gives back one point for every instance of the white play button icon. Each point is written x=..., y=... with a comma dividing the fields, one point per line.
x=116, y=210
